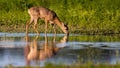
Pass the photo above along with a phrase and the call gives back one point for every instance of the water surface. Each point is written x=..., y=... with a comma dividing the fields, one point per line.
x=59, y=49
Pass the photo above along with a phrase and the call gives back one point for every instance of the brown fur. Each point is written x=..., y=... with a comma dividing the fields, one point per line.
x=47, y=15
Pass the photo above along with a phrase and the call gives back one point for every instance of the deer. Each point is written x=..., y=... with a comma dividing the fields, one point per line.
x=47, y=15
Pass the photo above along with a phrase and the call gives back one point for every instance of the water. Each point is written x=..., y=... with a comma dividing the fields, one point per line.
x=18, y=49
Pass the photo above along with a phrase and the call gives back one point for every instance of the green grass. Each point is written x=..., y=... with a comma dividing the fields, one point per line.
x=87, y=65
x=82, y=16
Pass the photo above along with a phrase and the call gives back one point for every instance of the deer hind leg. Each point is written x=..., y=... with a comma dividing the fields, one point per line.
x=46, y=26
x=28, y=24
x=35, y=26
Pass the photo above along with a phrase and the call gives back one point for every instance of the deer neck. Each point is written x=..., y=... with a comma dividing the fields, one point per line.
x=58, y=22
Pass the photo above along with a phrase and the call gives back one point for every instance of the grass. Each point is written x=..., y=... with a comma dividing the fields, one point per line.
x=87, y=65
x=82, y=16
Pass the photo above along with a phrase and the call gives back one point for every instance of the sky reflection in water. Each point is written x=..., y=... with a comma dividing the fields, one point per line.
x=15, y=48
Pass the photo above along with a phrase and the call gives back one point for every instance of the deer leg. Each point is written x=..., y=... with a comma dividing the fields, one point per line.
x=54, y=38
x=35, y=26
x=28, y=24
x=54, y=32
x=53, y=25
x=46, y=26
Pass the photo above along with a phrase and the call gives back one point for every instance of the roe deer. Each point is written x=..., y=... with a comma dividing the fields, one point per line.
x=48, y=49
x=48, y=16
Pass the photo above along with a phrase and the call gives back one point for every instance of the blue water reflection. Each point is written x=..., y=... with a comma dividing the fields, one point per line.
x=15, y=48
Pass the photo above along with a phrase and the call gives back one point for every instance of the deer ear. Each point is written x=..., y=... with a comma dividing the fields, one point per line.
x=66, y=23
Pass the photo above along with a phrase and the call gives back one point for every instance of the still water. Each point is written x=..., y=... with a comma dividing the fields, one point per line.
x=18, y=49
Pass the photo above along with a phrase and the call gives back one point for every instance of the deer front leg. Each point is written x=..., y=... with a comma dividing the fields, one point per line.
x=28, y=24
x=53, y=25
x=35, y=26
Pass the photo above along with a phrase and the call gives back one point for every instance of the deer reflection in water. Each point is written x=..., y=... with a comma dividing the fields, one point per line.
x=34, y=52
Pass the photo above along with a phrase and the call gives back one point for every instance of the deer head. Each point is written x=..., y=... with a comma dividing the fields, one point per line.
x=65, y=28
